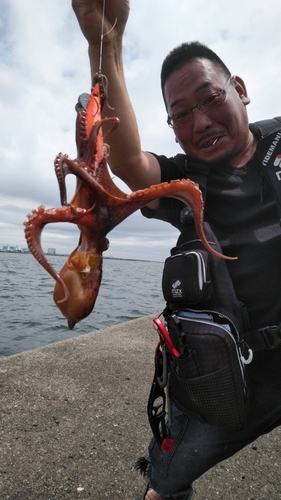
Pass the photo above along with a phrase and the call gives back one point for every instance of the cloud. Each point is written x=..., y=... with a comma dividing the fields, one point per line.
x=44, y=67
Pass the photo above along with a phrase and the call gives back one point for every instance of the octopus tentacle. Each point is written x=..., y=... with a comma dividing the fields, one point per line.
x=189, y=193
x=95, y=151
x=61, y=171
x=33, y=230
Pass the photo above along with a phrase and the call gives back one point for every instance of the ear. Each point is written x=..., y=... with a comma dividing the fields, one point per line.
x=176, y=139
x=240, y=88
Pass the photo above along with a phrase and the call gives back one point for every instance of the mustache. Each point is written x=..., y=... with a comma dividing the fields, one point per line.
x=208, y=136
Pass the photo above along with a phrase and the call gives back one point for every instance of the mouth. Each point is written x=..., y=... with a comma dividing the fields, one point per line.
x=210, y=140
x=209, y=143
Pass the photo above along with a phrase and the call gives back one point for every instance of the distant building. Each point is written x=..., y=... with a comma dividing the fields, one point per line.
x=11, y=248
x=51, y=251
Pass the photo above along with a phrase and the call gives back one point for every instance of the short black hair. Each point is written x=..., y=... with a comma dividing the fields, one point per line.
x=185, y=53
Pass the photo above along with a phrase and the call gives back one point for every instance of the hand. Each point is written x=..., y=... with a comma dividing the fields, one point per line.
x=89, y=15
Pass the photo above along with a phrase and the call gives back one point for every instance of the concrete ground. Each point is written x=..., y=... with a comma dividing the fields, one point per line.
x=73, y=421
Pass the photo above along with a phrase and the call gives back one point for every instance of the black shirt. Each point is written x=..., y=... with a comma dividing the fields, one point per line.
x=241, y=210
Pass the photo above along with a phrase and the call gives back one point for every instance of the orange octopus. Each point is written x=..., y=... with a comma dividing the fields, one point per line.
x=97, y=206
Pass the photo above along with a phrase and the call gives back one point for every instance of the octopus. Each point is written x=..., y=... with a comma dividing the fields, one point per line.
x=97, y=207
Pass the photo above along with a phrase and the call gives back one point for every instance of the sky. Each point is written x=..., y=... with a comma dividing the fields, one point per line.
x=44, y=67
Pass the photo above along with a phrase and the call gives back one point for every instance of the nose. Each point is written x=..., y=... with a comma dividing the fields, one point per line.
x=201, y=121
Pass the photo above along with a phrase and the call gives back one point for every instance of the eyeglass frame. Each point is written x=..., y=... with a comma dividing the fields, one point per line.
x=191, y=110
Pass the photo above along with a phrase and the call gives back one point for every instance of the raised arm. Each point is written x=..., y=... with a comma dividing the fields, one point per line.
x=136, y=168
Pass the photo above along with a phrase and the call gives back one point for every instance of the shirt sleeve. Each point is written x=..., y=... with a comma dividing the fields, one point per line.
x=178, y=167
x=169, y=208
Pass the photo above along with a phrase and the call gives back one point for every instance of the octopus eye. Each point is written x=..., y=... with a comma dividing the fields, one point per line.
x=105, y=245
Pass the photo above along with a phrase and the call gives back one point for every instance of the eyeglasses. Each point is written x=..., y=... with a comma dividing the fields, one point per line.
x=208, y=104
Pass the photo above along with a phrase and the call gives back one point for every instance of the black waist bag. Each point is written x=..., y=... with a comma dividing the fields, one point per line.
x=208, y=381
x=205, y=321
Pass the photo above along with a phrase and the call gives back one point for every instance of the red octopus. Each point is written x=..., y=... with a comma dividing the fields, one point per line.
x=97, y=206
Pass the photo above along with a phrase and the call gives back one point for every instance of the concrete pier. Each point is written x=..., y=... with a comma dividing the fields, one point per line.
x=73, y=421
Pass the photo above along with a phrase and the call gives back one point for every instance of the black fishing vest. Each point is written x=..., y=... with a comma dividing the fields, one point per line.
x=269, y=154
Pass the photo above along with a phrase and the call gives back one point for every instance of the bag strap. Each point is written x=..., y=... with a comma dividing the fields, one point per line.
x=269, y=154
x=267, y=127
x=223, y=298
x=263, y=339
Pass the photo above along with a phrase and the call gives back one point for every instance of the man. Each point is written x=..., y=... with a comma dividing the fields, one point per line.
x=206, y=108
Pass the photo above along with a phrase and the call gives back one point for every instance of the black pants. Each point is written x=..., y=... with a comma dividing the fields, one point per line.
x=198, y=447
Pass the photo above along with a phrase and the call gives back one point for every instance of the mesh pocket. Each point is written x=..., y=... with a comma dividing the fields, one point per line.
x=212, y=397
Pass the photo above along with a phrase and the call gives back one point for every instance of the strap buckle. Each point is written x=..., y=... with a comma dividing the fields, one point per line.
x=271, y=336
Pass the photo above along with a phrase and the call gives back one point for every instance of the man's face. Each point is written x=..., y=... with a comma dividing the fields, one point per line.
x=223, y=131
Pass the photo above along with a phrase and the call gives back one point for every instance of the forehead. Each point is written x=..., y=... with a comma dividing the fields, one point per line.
x=191, y=79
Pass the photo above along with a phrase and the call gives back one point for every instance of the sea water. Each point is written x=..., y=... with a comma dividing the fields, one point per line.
x=29, y=317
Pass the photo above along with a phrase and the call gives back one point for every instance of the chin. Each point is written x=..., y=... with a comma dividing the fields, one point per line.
x=220, y=160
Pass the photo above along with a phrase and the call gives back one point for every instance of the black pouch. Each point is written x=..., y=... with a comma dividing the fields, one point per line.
x=205, y=321
x=208, y=381
x=185, y=277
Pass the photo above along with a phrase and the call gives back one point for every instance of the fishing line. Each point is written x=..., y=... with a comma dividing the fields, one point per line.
x=104, y=34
